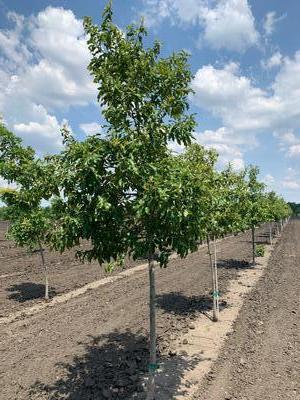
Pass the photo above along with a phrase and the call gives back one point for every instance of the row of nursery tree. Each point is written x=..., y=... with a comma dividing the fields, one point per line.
x=125, y=191
x=295, y=207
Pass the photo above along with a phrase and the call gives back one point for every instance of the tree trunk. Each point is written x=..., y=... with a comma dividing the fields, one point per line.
x=152, y=309
x=45, y=271
x=215, y=317
x=216, y=293
x=270, y=233
x=253, y=244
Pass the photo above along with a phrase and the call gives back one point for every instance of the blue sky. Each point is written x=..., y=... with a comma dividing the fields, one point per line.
x=245, y=57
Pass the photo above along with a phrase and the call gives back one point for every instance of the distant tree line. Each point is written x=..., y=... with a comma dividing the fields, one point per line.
x=4, y=213
x=295, y=208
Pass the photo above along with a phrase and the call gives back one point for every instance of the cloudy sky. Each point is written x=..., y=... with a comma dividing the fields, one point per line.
x=245, y=57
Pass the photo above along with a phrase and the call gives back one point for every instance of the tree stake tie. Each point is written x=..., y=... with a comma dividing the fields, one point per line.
x=153, y=367
x=215, y=294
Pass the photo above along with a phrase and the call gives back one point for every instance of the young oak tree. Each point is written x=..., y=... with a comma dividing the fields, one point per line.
x=29, y=222
x=29, y=228
x=279, y=209
x=145, y=102
x=125, y=192
x=230, y=216
x=256, y=212
x=271, y=206
x=203, y=163
x=223, y=216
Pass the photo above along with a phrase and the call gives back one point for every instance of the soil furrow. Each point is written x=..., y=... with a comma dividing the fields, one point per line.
x=261, y=359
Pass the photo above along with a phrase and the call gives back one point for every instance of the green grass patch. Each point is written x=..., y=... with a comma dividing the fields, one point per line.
x=259, y=250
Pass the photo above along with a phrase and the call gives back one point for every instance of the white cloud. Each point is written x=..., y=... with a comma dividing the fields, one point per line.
x=37, y=134
x=13, y=52
x=51, y=77
x=175, y=147
x=182, y=11
x=289, y=143
x=291, y=172
x=269, y=179
x=228, y=144
x=274, y=61
x=289, y=137
x=3, y=183
x=285, y=138
x=248, y=111
x=226, y=136
x=237, y=164
x=7, y=185
x=245, y=107
x=270, y=182
x=65, y=66
x=227, y=24
x=63, y=89
x=230, y=25
x=91, y=128
x=287, y=88
x=290, y=184
x=294, y=150
x=234, y=98
x=270, y=22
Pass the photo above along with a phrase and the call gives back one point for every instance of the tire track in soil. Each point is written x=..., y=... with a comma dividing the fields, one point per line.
x=261, y=359
x=95, y=346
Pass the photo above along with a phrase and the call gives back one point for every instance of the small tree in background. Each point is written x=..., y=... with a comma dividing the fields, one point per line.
x=223, y=215
x=256, y=211
x=272, y=210
x=279, y=209
x=277, y=212
x=29, y=222
x=29, y=227
x=294, y=207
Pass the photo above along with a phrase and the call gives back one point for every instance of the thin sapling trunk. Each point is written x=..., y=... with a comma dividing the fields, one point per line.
x=270, y=233
x=215, y=316
x=216, y=293
x=152, y=309
x=253, y=245
x=45, y=271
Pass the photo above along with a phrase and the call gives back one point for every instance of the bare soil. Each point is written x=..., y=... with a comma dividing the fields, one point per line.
x=22, y=276
x=96, y=346
x=261, y=358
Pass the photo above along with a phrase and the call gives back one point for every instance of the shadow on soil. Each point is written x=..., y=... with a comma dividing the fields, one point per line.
x=26, y=291
x=114, y=366
x=234, y=264
x=178, y=304
x=190, y=307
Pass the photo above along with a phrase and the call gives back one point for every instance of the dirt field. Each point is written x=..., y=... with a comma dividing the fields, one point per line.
x=22, y=277
x=95, y=346
x=261, y=359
